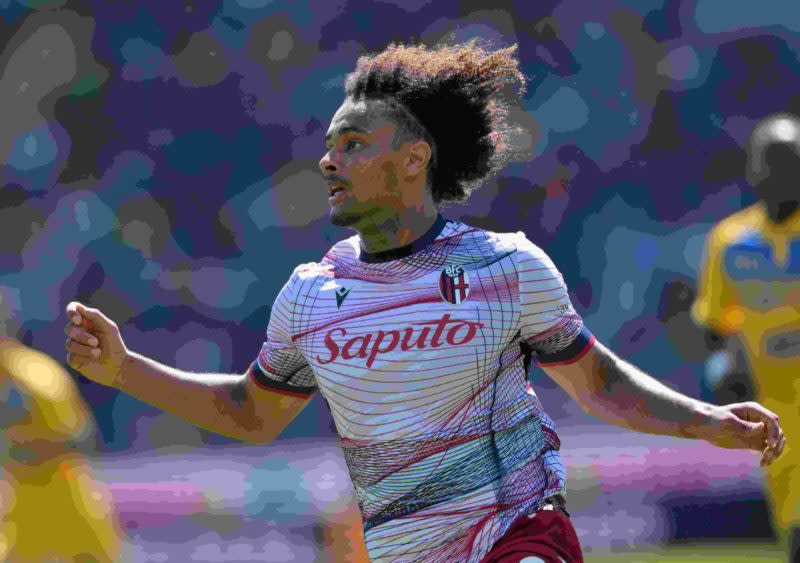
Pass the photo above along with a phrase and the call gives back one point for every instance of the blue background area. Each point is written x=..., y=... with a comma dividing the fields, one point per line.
x=171, y=180
x=159, y=161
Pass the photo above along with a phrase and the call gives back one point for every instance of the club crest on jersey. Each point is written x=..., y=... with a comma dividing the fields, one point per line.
x=454, y=284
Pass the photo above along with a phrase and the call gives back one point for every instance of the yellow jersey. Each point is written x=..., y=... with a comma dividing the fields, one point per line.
x=750, y=289
x=51, y=509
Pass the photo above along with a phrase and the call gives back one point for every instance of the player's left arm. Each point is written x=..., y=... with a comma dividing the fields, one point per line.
x=610, y=388
x=617, y=392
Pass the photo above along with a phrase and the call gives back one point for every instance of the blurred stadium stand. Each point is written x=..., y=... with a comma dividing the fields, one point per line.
x=159, y=162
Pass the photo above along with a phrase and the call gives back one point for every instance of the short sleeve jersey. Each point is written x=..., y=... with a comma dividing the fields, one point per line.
x=54, y=491
x=750, y=289
x=422, y=355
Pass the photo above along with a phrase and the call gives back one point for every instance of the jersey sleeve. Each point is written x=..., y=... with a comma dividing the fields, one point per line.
x=280, y=366
x=549, y=325
x=714, y=305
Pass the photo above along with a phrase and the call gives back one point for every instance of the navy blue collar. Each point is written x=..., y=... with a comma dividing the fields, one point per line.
x=407, y=250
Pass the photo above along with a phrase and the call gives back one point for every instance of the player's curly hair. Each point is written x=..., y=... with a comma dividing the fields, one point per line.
x=456, y=97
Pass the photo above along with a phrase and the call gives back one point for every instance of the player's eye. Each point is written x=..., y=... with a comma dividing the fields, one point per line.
x=352, y=144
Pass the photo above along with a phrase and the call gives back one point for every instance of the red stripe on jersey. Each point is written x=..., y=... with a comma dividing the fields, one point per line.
x=544, y=334
x=573, y=359
x=265, y=386
x=339, y=320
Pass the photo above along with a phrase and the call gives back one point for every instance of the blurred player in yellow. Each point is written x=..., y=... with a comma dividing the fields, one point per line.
x=51, y=509
x=749, y=299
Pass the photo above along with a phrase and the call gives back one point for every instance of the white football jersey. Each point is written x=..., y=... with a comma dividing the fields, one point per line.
x=422, y=355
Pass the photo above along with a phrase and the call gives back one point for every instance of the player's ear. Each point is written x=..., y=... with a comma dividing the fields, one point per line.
x=418, y=156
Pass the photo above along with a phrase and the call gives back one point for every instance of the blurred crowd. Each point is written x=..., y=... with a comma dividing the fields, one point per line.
x=159, y=161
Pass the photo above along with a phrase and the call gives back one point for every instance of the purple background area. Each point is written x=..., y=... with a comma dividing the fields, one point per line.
x=159, y=161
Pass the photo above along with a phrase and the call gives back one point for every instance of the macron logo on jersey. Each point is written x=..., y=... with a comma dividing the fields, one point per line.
x=419, y=336
x=341, y=293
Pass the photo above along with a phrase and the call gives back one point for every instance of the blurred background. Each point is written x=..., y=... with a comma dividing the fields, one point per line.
x=159, y=161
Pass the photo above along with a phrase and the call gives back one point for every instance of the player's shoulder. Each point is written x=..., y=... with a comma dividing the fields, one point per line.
x=342, y=252
x=305, y=279
x=501, y=241
x=514, y=245
x=733, y=228
x=345, y=252
x=311, y=271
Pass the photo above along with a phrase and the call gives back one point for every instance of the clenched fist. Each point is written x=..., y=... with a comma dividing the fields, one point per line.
x=94, y=344
x=747, y=426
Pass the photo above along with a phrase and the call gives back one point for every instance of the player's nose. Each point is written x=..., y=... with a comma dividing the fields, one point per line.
x=326, y=163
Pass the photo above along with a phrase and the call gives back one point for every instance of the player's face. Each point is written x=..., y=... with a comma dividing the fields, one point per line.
x=774, y=161
x=361, y=165
x=783, y=171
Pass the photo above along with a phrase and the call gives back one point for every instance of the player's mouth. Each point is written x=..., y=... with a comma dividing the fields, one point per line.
x=336, y=191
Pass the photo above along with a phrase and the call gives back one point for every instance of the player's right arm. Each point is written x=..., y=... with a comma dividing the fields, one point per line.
x=255, y=406
x=727, y=374
x=726, y=371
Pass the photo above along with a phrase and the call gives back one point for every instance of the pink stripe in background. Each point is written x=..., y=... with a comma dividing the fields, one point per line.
x=153, y=504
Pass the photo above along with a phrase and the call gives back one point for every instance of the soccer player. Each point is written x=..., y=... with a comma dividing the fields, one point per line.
x=419, y=332
x=51, y=508
x=749, y=299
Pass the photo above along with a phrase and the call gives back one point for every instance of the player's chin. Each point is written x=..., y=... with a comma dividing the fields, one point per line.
x=342, y=217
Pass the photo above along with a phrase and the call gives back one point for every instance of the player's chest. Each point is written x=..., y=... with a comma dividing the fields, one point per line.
x=763, y=275
x=443, y=316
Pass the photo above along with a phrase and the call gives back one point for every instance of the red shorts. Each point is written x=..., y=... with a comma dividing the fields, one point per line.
x=548, y=536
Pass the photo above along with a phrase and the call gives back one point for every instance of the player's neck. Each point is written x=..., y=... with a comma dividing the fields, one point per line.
x=395, y=230
x=781, y=212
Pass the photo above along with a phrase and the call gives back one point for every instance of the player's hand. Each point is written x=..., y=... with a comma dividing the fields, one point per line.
x=747, y=426
x=94, y=344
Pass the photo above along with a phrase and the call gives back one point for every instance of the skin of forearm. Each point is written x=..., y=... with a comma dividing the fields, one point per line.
x=216, y=402
x=625, y=396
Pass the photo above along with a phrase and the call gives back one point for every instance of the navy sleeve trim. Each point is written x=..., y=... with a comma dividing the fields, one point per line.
x=269, y=384
x=572, y=353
